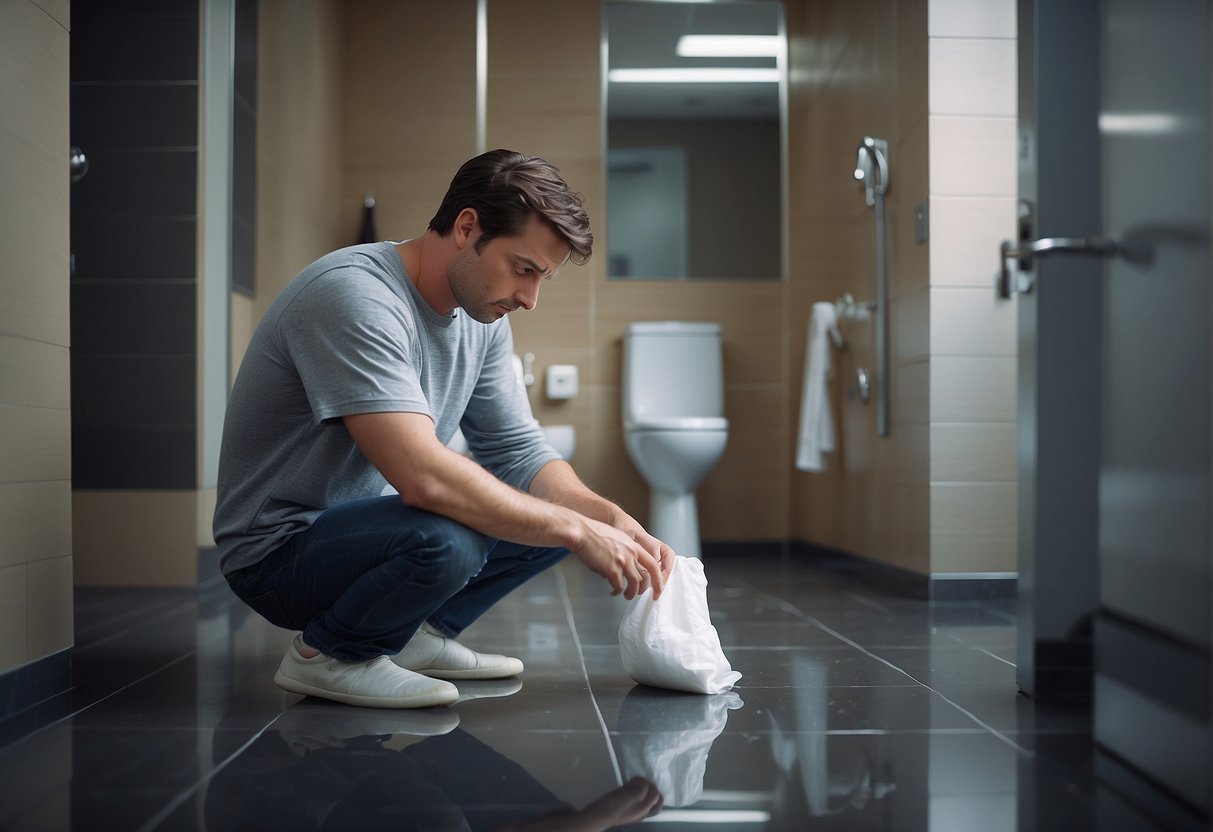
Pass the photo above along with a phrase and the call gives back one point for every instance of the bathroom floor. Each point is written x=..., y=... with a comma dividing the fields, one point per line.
x=857, y=710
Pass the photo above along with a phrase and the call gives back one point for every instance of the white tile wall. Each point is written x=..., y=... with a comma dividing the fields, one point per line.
x=973, y=101
x=973, y=156
x=972, y=389
x=971, y=322
x=973, y=452
x=972, y=76
x=971, y=18
x=965, y=235
x=973, y=527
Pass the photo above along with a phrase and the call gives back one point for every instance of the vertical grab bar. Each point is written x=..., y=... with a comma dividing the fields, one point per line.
x=872, y=168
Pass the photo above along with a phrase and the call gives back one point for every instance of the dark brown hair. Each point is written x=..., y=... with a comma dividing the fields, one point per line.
x=504, y=187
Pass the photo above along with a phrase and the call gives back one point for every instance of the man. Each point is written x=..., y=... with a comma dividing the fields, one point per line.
x=357, y=377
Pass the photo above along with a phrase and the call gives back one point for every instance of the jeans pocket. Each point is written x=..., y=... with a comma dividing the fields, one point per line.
x=270, y=608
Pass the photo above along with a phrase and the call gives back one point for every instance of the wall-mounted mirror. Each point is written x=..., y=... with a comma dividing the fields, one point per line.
x=694, y=106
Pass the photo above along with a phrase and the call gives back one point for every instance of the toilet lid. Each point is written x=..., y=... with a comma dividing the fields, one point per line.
x=679, y=423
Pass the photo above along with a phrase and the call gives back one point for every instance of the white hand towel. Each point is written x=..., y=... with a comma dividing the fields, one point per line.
x=816, y=425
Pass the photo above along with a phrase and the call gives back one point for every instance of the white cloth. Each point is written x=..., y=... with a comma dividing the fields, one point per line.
x=816, y=435
x=671, y=643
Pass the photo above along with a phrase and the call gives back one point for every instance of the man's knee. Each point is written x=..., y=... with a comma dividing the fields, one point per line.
x=452, y=554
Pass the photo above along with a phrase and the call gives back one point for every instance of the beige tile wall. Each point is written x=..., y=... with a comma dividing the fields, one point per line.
x=408, y=108
x=35, y=404
x=861, y=69
x=299, y=140
x=300, y=74
x=136, y=538
x=972, y=89
x=300, y=51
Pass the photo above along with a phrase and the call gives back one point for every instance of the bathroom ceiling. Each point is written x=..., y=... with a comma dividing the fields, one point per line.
x=645, y=36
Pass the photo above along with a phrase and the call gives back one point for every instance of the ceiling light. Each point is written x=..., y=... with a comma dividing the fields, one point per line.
x=729, y=46
x=694, y=75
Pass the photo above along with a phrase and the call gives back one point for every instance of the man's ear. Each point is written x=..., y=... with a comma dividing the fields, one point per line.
x=467, y=227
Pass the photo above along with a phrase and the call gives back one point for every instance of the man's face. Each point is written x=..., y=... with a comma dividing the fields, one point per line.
x=505, y=274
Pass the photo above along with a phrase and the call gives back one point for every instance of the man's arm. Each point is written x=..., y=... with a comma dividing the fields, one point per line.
x=558, y=483
x=430, y=476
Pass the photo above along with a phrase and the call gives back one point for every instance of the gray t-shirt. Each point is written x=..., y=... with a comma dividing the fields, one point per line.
x=351, y=334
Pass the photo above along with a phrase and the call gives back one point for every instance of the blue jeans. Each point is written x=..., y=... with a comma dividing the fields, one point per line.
x=364, y=577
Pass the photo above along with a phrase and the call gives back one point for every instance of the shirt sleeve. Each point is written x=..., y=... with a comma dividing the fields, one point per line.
x=500, y=428
x=354, y=346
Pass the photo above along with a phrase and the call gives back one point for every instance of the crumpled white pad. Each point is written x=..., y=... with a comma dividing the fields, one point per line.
x=666, y=738
x=671, y=643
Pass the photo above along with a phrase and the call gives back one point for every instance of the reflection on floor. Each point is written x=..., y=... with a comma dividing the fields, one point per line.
x=857, y=710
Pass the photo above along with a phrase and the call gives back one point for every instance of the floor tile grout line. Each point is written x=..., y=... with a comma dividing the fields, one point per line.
x=942, y=696
x=161, y=614
x=787, y=605
x=84, y=648
x=868, y=601
x=153, y=613
x=980, y=649
x=173, y=804
x=997, y=613
x=109, y=695
x=568, y=612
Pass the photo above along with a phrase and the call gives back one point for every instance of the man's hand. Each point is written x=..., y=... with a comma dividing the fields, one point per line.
x=558, y=483
x=625, y=563
x=660, y=551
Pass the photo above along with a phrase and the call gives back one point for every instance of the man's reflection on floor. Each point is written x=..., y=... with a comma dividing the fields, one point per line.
x=325, y=766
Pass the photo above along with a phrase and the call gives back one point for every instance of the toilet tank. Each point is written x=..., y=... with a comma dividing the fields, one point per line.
x=672, y=368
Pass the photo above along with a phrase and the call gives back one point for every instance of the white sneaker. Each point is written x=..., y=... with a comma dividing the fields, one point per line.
x=439, y=657
x=376, y=683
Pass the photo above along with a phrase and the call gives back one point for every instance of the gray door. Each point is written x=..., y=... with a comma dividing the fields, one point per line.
x=1152, y=696
x=1115, y=365
x=1059, y=346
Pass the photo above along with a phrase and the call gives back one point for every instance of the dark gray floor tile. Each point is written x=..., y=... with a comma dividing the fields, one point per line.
x=942, y=667
x=175, y=719
x=840, y=666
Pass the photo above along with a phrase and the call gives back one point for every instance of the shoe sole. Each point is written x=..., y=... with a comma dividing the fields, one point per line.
x=422, y=700
x=474, y=673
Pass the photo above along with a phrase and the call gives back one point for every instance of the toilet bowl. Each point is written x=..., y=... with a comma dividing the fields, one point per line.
x=674, y=427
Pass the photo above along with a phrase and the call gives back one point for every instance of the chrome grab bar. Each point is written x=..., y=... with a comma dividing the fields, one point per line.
x=872, y=168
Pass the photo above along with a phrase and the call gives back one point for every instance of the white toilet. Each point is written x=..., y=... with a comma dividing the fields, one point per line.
x=673, y=419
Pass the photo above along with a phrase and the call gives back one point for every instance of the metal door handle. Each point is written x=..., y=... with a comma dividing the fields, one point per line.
x=1012, y=279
